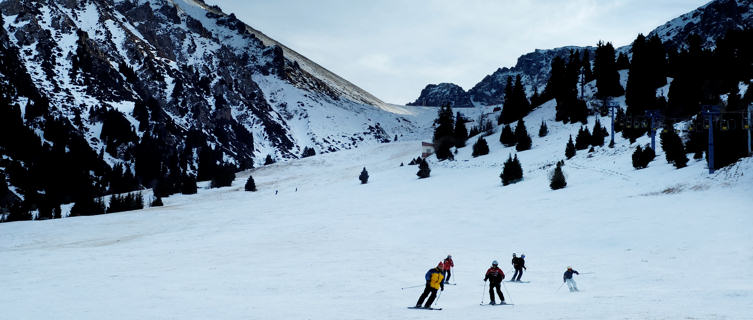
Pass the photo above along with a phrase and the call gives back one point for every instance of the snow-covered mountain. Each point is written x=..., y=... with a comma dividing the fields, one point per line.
x=204, y=70
x=709, y=22
x=169, y=84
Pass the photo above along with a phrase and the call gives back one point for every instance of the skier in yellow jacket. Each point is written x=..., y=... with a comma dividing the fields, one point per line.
x=434, y=282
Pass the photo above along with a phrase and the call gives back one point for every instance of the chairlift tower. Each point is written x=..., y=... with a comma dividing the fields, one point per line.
x=750, y=127
x=709, y=111
x=653, y=114
x=612, y=107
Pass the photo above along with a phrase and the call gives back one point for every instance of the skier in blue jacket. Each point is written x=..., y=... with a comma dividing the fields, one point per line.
x=434, y=282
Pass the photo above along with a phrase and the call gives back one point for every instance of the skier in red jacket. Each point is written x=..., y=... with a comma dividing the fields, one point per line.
x=448, y=264
x=495, y=277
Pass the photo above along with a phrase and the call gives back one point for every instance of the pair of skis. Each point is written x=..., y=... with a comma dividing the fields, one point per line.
x=498, y=304
x=483, y=304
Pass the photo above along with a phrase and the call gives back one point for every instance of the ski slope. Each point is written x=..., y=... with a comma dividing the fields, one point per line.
x=659, y=243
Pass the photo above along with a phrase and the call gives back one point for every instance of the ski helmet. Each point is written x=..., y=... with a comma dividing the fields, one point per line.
x=569, y=268
x=513, y=255
x=494, y=263
x=522, y=256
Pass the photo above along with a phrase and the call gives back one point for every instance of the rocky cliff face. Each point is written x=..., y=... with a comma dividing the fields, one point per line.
x=435, y=95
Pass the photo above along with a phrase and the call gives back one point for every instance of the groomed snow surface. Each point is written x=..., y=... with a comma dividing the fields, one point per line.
x=659, y=243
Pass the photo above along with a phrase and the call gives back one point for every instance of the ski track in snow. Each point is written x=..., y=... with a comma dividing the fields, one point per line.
x=662, y=243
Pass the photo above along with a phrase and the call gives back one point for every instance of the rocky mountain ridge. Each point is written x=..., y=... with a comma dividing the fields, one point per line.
x=709, y=21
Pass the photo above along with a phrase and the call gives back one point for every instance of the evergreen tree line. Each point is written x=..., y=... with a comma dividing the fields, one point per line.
x=61, y=167
x=701, y=76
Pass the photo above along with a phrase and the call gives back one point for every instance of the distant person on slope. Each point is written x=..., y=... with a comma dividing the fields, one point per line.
x=519, y=263
x=448, y=264
x=495, y=277
x=434, y=282
x=568, y=278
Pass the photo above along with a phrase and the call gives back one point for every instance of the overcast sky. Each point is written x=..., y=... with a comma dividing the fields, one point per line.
x=394, y=48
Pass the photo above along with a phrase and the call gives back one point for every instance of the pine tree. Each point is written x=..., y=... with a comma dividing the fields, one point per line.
x=512, y=172
x=188, y=184
x=543, y=130
x=308, y=152
x=647, y=73
x=521, y=137
x=570, y=148
x=588, y=75
x=637, y=158
x=461, y=133
x=583, y=139
x=250, y=184
x=510, y=107
x=364, y=177
x=642, y=157
x=605, y=69
x=423, y=169
x=557, y=180
x=268, y=160
x=156, y=202
x=224, y=177
x=444, y=132
x=480, y=148
x=623, y=62
x=598, y=134
x=619, y=120
x=674, y=150
x=647, y=156
x=522, y=104
x=507, y=137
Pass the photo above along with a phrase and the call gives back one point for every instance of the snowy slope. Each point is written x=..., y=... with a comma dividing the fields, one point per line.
x=205, y=69
x=659, y=243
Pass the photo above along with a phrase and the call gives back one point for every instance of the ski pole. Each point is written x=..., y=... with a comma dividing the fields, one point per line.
x=558, y=289
x=587, y=272
x=412, y=287
x=483, y=293
x=508, y=291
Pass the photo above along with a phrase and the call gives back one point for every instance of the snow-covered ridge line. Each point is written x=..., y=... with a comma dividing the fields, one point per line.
x=345, y=87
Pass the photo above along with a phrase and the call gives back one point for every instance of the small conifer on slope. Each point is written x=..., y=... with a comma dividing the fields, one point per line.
x=364, y=177
x=423, y=169
x=557, y=180
x=512, y=172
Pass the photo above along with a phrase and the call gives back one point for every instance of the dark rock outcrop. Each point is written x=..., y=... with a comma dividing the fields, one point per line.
x=435, y=95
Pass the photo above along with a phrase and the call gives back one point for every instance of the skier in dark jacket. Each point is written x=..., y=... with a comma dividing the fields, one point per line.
x=519, y=263
x=434, y=282
x=568, y=278
x=495, y=277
